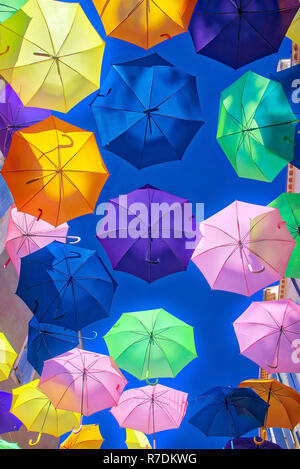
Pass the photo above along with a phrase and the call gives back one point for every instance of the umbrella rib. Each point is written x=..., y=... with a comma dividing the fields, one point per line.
x=91, y=295
x=130, y=89
x=47, y=26
x=68, y=34
x=125, y=19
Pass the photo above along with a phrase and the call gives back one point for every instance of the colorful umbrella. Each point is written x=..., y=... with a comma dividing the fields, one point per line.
x=237, y=32
x=293, y=32
x=151, y=344
x=143, y=22
x=289, y=209
x=8, y=422
x=89, y=437
x=9, y=8
x=147, y=111
x=54, y=170
x=6, y=199
x=244, y=248
x=7, y=357
x=256, y=127
x=59, y=59
x=66, y=286
x=7, y=445
x=82, y=381
x=14, y=116
x=38, y=414
x=3, y=228
x=248, y=443
x=151, y=409
x=161, y=245
x=136, y=440
x=266, y=332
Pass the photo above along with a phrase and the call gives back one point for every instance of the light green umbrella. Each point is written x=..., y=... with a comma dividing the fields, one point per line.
x=151, y=344
x=6, y=445
x=9, y=8
x=256, y=127
x=289, y=209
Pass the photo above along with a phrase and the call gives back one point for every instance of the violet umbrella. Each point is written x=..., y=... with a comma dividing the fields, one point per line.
x=244, y=248
x=148, y=233
x=268, y=333
x=237, y=32
x=249, y=443
x=151, y=409
x=8, y=422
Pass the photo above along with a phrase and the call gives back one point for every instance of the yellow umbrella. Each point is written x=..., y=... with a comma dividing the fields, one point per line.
x=59, y=61
x=293, y=32
x=136, y=440
x=38, y=414
x=89, y=437
x=7, y=357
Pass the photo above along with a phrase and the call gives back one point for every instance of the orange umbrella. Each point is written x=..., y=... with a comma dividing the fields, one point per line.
x=145, y=22
x=54, y=171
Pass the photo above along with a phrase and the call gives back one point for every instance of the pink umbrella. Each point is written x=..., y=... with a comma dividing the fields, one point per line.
x=27, y=234
x=82, y=381
x=151, y=409
x=244, y=248
x=268, y=333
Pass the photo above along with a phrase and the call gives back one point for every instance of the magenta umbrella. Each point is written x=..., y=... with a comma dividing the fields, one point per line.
x=151, y=409
x=82, y=381
x=268, y=333
x=244, y=248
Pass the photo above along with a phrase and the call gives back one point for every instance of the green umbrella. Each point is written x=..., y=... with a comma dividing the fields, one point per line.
x=289, y=209
x=9, y=8
x=6, y=445
x=256, y=127
x=151, y=344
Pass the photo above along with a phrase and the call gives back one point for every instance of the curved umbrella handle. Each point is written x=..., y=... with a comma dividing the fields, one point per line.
x=91, y=338
x=77, y=239
x=149, y=261
x=6, y=263
x=80, y=427
x=279, y=225
x=31, y=443
x=256, y=271
x=166, y=35
x=41, y=213
x=149, y=382
x=71, y=144
x=5, y=51
x=263, y=438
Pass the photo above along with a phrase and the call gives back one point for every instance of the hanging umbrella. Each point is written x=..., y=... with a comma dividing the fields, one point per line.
x=14, y=116
x=151, y=409
x=89, y=437
x=266, y=332
x=143, y=22
x=6, y=199
x=151, y=344
x=38, y=414
x=9, y=8
x=3, y=228
x=136, y=440
x=248, y=443
x=82, y=381
x=59, y=60
x=160, y=246
x=293, y=32
x=8, y=422
x=244, y=248
x=66, y=286
x=256, y=127
x=289, y=209
x=237, y=32
x=7, y=357
x=7, y=445
x=55, y=171
x=147, y=111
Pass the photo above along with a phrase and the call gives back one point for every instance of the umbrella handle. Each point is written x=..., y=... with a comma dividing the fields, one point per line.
x=77, y=239
x=152, y=262
x=167, y=35
x=41, y=213
x=80, y=427
x=5, y=51
x=256, y=271
x=31, y=443
x=263, y=438
x=91, y=338
x=149, y=382
x=71, y=144
x=6, y=263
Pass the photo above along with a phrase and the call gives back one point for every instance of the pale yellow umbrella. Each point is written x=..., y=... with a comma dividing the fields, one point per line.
x=89, y=437
x=136, y=440
x=7, y=357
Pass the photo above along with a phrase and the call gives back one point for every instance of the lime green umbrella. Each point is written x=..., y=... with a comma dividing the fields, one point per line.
x=151, y=344
x=256, y=127
x=9, y=8
x=6, y=445
x=289, y=209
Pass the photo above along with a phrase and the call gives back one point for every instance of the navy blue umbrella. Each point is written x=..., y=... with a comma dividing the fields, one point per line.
x=249, y=443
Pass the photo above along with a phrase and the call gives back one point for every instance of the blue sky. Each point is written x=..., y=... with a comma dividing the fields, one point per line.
x=204, y=175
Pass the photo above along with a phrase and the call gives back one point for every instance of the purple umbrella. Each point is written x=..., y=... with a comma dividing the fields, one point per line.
x=15, y=116
x=248, y=443
x=149, y=233
x=8, y=422
x=237, y=32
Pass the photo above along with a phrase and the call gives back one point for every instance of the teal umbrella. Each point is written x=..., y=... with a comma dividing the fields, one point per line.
x=9, y=8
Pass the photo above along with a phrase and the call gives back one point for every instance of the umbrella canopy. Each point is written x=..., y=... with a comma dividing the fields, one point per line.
x=7, y=445
x=289, y=209
x=46, y=341
x=55, y=171
x=284, y=402
x=143, y=22
x=237, y=32
x=151, y=409
x=26, y=234
x=244, y=248
x=157, y=239
x=256, y=127
x=9, y=8
x=228, y=411
x=293, y=32
x=147, y=111
x=136, y=440
x=66, y=286
x=6, y=200
x=89, y=437
x=8, y=422
x=249, y=443
x=15, y=116
x=7, y=357
x=151, y=344
x=266, y=332
x=57, y=62
x=38, y=414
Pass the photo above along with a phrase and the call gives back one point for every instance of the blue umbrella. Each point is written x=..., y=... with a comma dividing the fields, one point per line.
x=147, y=111
x=66, y=286
x=226, y=411
x=8, y=422
x=249, y=443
